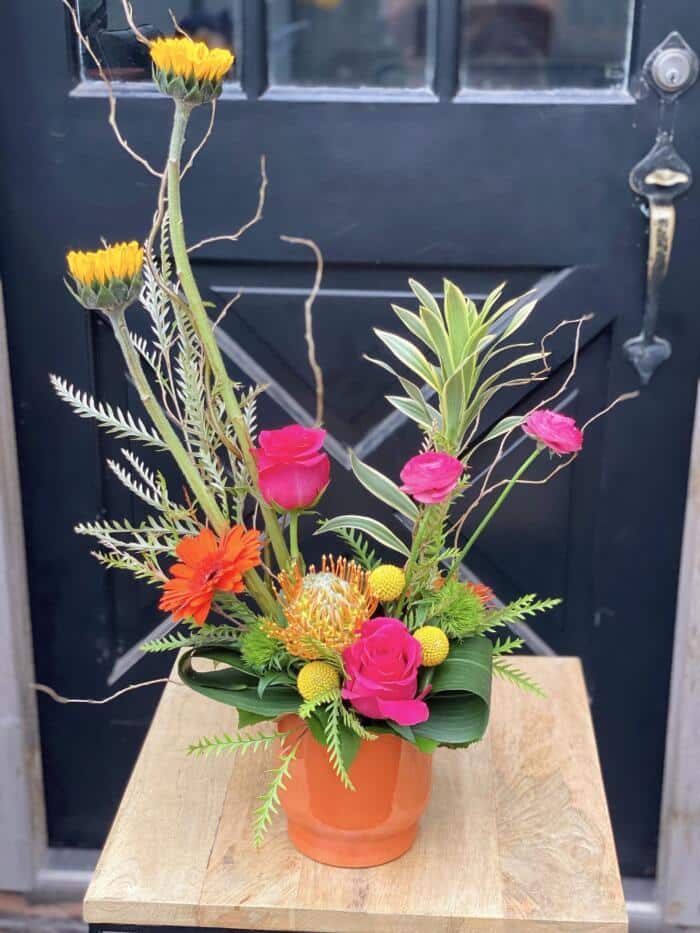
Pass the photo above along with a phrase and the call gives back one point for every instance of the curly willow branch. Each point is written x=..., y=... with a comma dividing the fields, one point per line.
x=129, y=14
x=49, y=691
x=112, y=119
x=308, y=320
x=203, y=143
x=257, y=216
x=485, y=489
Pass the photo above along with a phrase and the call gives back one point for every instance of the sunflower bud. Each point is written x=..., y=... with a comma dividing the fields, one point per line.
x=107, y=279
x=189, y=70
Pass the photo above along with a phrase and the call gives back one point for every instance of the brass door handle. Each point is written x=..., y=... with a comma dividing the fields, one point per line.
x=659, y=178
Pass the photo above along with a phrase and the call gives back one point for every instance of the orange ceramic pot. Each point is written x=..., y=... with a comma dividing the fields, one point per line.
x=375, y=823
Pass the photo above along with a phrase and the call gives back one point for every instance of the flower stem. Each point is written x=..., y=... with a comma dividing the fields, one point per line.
x=496, y=505
x=203, y=327
x=294, y=534
x=165, y=429
x=207, y=501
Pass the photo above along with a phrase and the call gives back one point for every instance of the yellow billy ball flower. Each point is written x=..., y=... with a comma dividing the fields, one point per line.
x=387, y=582
x=435, y=645
x=315, y=678
x=107, y=278
x=189, y=70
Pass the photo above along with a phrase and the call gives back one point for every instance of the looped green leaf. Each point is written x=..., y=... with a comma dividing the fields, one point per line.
x=460, y=696
x=368, y=526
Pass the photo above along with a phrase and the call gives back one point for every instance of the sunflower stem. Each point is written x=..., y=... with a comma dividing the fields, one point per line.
x=203, y=327
x=208, y=503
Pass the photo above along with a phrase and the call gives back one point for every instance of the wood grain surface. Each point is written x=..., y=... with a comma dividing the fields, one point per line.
x=516, y=837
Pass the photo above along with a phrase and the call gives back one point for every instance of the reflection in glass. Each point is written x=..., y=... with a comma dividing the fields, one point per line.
x=348, y=43
x=216, y=22
x=529, y=44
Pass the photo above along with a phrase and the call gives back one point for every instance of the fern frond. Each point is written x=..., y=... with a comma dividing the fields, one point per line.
x=142, y=569
x=334, y=742
x=236, y=608
x=351, y=721
x=365, y=556
x=207, y=635
x=506, y=646
x=324, y=653
x=310, y=706
x=270, y=801
x=519, y=678
x=216, y=744
x=520, y=609
x=143, y=349
x=112, y=419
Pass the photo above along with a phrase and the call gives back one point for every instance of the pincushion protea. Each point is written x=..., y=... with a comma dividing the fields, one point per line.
x=324, y=608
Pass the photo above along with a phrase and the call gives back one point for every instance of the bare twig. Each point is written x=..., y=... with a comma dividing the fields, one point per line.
x=257, y=216
x=203, y=143
x=112, y=118
x=129, y=14
x=485, y=488
x=177, y=27
x=49, y=691
x=625, y=397
x=224, y=310
x=308, y=320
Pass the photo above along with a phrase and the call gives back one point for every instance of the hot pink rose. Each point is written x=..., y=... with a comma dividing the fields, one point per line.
x=431, y=477
x=292, y=469
x=555, y=431
x=382, y=673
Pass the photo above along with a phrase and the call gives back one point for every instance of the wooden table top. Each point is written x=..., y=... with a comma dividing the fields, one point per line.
x=516, y=838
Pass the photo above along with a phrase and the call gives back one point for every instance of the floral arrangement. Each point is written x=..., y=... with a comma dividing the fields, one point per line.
x=360, y=645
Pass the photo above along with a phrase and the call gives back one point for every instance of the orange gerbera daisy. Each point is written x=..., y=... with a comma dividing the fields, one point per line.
x=209, y=564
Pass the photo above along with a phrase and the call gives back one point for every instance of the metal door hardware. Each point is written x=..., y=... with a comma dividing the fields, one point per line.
x=660, y=178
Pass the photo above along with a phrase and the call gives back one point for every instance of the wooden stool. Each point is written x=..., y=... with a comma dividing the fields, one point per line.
x=516, y=837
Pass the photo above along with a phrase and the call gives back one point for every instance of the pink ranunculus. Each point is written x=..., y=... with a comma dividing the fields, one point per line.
x=431, y=477
x=293, y=471
x=558, y=432
x=382, y=673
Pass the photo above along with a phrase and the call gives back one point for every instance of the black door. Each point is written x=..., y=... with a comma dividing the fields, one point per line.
x=478, y=141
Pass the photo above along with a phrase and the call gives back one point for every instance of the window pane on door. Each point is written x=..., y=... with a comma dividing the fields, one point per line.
x=216, y=22
x=349, y=43
x=531, y=44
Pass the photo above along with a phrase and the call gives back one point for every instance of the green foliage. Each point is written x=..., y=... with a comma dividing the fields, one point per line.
x=198, y=637
x=460, y=696
x=506, y=670
x=324, y=653
x=112, y=419
x=520, y=609
x=214, y=745
x=383, y=488
x=269, y=801
x=454, y=608
x=310, y=706
x=368, y=526
x=352, y=723
x=360, y=547
x=235, y=608
x=342, y=743
x=506, y=646
x=260, y=651
x=460, y=342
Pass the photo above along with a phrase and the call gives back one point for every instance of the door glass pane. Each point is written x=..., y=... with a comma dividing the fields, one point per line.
x=216, y=22
x=349, y=43
x=530, y=44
